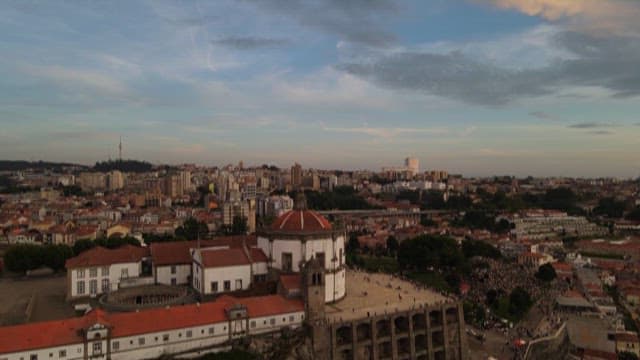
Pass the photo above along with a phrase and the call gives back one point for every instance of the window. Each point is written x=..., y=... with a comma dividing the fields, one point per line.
x=239, y=284
x=141, y=341
x=253, y=324
x=124, y=273
x=62, y=353
x=227, y=285
x=272, y=321
x=320, y=257
x=80, y=274
x=93, y=287
x=214, y=286
x=173, y=269
x=292, y=318
x=93, y=272
x=34, y=357
x=287, y=262
x=174, y=282
x=115, y=345
x=165, y=337
x=189, y=333
x=80, y=287
x=105, y=271
x=211, y=330
x=105, y=285
x=97, y=347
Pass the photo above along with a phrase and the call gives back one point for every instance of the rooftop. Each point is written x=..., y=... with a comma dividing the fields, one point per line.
x=372, y=294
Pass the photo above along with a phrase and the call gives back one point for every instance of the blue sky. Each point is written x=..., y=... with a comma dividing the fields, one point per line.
x=479, y=87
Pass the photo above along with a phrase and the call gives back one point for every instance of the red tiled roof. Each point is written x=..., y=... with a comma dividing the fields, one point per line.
x=100, y=256
x=628, y=337
x=228, y=257
x=290, y=282
x=257, y=255
x=65, y=332
x=177, y=252
x=301, y=221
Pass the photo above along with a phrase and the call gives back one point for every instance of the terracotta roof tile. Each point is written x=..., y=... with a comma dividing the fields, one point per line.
x=66, y=332
x=301, y=221
x=100, y=256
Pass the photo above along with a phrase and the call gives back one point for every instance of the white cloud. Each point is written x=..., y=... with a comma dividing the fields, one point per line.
x=66, y=77
x=386, y=133
x=610, y=16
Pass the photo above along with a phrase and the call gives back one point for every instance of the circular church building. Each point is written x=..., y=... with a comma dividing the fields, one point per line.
x=300, y=235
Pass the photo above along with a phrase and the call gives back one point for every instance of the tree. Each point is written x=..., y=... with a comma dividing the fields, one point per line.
x=55, y=256
x=239, y=226
x=353, y=244
x=519, y=302
x=626, y=355
x=392, y=245
x=634, y=214
x=472, y=248
x=83, y=245
x=24, y=257
x=546, y=273
x=428, y=251
x=610, y=208
x=191, y=229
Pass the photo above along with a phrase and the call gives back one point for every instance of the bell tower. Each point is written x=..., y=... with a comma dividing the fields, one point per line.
x=313, y=288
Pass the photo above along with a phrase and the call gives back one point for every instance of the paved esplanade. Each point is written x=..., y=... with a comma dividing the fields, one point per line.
x=375, y=294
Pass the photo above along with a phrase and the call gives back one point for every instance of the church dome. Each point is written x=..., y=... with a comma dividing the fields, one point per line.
x=301, y=220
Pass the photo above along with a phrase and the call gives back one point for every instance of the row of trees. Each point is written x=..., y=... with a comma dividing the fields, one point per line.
x=21, y=258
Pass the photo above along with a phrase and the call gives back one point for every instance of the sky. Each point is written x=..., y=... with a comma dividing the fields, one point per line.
x=477, y=87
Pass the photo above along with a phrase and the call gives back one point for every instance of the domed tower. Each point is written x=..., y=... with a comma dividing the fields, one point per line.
x=300, y=235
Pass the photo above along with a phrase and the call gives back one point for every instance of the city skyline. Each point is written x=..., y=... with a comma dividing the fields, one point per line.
x=479, y=87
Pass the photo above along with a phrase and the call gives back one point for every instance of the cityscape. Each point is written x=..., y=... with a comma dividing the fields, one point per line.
x=320, y=180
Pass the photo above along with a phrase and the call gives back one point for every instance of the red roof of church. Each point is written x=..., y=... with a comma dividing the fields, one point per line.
x=290, y=282
x=66, y=332
x=301, y=221
x=177, y=252
x=99, y=256
x=231, y=257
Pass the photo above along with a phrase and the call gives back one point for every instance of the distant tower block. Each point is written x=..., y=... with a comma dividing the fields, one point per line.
x=413, y=165
x=120, y=149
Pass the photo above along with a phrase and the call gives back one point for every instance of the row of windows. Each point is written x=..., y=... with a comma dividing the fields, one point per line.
x=165, y=337
x=272, y=321
x=93, y=272
x=93, y=286
x=226, y=285
x=115, y=345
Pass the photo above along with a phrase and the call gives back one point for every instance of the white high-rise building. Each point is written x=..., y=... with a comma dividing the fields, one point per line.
x=413, y=165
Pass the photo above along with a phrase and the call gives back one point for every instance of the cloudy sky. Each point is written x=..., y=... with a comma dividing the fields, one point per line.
x=479, y=87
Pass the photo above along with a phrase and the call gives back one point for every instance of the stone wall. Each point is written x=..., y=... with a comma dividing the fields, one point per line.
x=432, y=333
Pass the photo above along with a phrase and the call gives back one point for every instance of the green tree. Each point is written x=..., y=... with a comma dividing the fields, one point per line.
x=392, y=245
x=546, y=273
x=191, y=229
x=472, y=248
x=626, y=355
x=634, y=214
x=83, y=245
x=239, y=226
x=55, y=256
x=23, y=257
x=519, y=302
x=428, y=251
